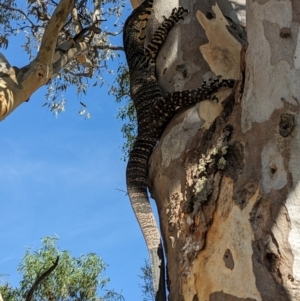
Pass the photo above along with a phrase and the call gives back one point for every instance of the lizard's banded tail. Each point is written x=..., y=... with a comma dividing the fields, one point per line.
x=136, y=175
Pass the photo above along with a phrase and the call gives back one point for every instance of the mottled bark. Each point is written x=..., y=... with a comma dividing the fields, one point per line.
x=225, y=175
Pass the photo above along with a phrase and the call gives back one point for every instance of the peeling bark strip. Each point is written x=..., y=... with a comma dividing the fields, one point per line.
x=238, y=240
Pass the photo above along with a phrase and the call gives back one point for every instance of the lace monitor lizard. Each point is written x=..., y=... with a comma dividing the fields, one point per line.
x=154, y=108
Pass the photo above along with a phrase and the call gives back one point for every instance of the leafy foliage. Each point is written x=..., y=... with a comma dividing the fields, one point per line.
x=147, y=286
x=74, y=279
x=120, y=90
x=30, y=20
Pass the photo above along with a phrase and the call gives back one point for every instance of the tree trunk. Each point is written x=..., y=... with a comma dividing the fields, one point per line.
x=225, y=174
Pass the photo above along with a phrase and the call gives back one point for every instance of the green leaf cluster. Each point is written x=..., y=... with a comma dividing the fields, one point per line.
x=147, y=285
x=74, y=279
x=121, y=91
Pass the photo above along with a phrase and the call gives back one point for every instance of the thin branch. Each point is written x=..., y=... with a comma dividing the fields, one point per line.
x=18, y=10
x=21, y=28
x=53, y=2
x=40, y=279
x=113, y=33
x=110, y=47
x=77, y=25
x=79, y=49
x=84, y=74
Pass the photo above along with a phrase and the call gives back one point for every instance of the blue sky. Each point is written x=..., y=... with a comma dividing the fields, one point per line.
x=63, y=176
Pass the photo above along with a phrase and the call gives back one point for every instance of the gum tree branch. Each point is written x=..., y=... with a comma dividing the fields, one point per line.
x=16, y=88
x=40, y=70
x=17, y=85
x=110, y=47
x=52, y=30
x=40, y=279
x=97, y=11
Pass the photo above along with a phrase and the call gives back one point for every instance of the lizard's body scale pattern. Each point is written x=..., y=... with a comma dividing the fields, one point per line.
x=154, y=109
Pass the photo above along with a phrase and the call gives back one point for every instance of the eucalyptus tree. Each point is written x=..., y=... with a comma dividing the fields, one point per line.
x=225, y=175
x=51, y=274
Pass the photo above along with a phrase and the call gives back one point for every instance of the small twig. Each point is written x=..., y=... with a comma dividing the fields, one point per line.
x=103, y=47
x=113, y=33
x=121, y=190
x=88, y=74
x=18, y=10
